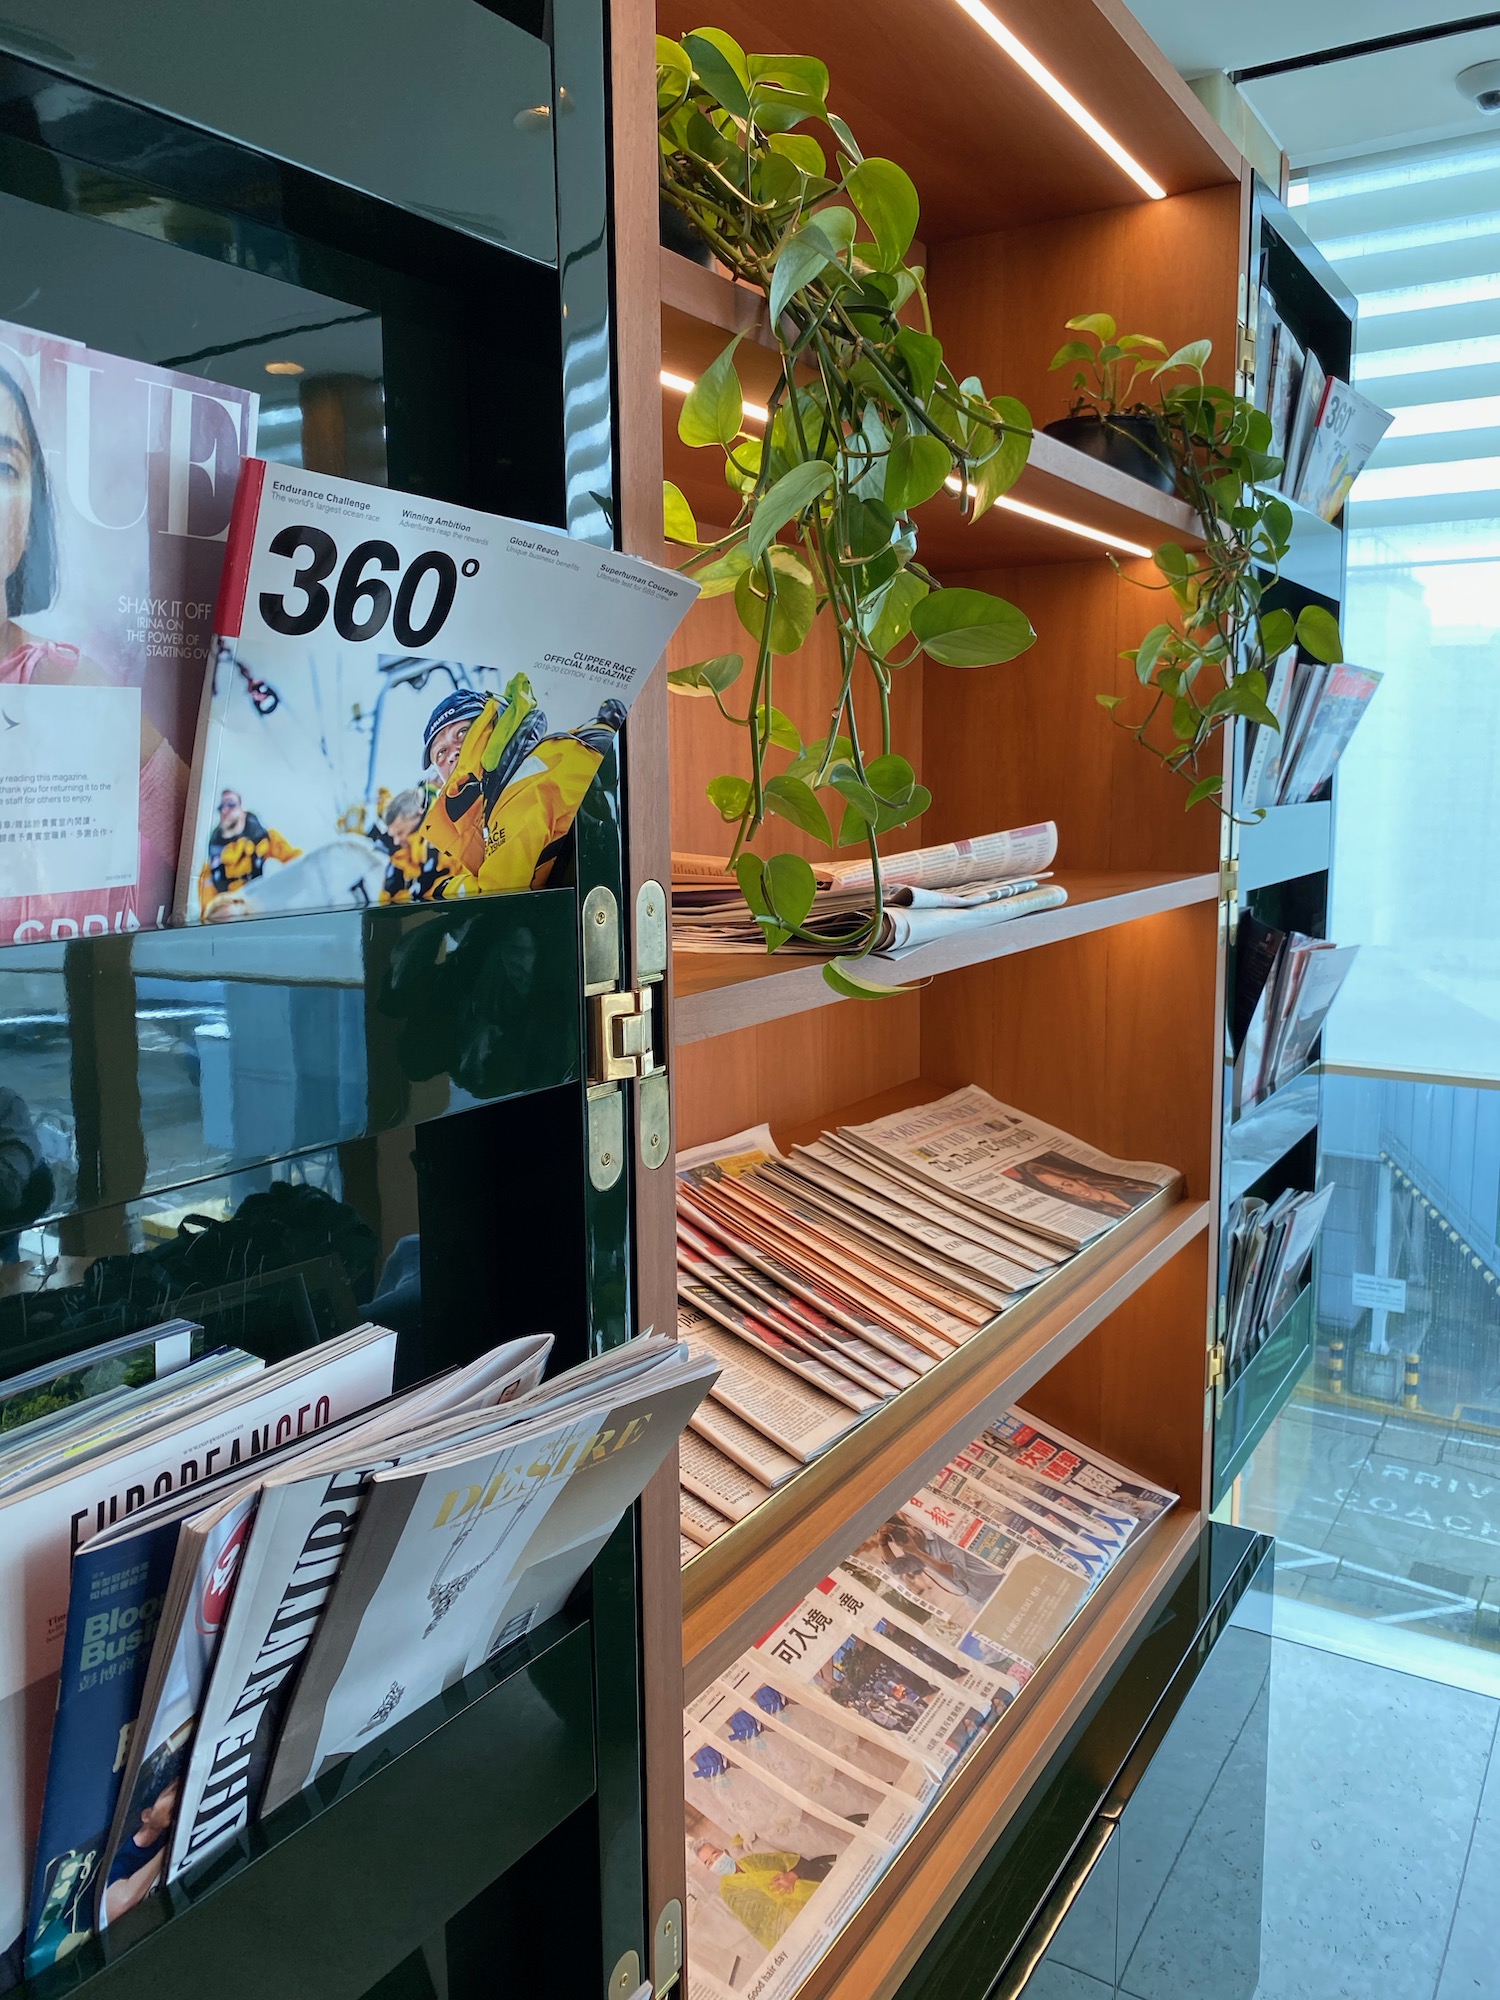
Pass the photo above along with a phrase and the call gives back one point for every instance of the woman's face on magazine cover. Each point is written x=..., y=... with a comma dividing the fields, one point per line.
x=15, y=485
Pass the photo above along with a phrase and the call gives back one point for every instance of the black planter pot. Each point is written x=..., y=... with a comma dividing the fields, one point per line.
x=1129, y=444
x=678, y=234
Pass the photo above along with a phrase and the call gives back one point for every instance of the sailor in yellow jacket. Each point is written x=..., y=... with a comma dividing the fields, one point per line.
x=508, y=792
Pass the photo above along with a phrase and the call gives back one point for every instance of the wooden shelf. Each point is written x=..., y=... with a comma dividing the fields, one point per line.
x=882, y=1941
x=985, y=146
x=716, y=993
x=737, y=1589
x=702, y=309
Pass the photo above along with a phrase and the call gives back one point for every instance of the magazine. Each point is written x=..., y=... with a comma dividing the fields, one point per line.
x=1012, y=1166
x=43, y=1527
x=128, y=1362
x=1306, y=410
x=460, y=1553
x=1319, y=708
x=1269, y=1248
x=205, y=1569
x=1348, y=428
x=408, y=699
x=121, y=478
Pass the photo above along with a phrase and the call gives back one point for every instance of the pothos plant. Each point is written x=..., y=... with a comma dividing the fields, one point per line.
x=1213, y=659
x=865, y=422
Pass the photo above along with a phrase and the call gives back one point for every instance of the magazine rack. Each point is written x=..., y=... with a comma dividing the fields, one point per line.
x=296, y=1123
x=1279, y=866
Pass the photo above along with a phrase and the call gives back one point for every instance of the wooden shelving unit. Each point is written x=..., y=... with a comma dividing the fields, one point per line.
x=1102, y=1016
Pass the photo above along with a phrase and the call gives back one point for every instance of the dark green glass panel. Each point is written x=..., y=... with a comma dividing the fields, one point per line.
x=432, y=109
x=1255, y=1398
x=159, y=1060
x=344, y=1882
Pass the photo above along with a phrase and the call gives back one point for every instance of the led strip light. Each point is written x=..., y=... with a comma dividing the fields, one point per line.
x=1061, y=96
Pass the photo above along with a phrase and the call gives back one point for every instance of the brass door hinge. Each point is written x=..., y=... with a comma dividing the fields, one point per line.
x=1217, y=1365
x=622, y=1033
x=1229, y=880
x=1245, y=352
x=620, y=1041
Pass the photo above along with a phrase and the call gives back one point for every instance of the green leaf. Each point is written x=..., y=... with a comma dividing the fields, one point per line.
x=742, y=463
x=677, y=516
x=915, y=471
x=869, y=525
x=722, y=70
x=1173, y=562
x=810, y=762
x=1206, y=788
x=849, y=987
x=779, y=729
x=717, y=578
x=1278, y=629
x=749, y=871
x=1101, y=325
x=795, y=607
x=884, y=195
x=998, y=472
x=801, y=73
x=804, y=152
x=708, y=677
x=1141, y=343
x=790, y=496
x=804, y=256
x=923, y=356
x=890, y=623
x=798, y=802
x=674, y=73
x=1149, y=651
x=916, y=802
x=1192, y=356
x=713, y=410
x=1318, y=634
x=730, y=795
x=875, y=441
x=1073, y=350
x=1109, y=701
x=790, y=886
x=890, y=777
x=845, y=137
x=970, y=628
x=861, y=800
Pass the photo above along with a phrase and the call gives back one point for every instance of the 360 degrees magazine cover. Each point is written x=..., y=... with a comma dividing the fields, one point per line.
x=117, y=481
x=410, y=699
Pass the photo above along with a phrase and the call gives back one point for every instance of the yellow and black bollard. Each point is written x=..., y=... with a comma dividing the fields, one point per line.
x=1413, y=1380
x=1336, y=1365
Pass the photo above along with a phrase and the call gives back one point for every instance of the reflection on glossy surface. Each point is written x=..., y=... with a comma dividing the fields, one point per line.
x=146, y=1062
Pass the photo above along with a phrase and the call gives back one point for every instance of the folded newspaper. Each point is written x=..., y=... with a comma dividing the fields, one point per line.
x=929, y=893
x=811, y=1761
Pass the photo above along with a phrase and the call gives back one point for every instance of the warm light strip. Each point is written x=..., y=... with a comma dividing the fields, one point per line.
x=680, y=384
x=1060, y=95
x=1050, y=520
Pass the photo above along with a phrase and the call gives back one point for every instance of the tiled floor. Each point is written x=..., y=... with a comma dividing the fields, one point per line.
x=1382, y=1835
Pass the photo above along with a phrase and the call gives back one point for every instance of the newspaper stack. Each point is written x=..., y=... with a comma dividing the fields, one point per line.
x=810, y=1762
x=824, y=1280
x=239, y=1576
x=1285, y=983
x=930, y=893
x=1269, y=1245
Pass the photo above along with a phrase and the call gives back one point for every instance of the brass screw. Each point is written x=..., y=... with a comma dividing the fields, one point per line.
x=599, y=916
x=606, y=1159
